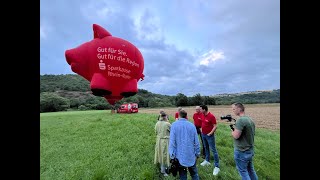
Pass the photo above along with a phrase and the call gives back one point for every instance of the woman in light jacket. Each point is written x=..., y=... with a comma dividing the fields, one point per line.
x=162, y=129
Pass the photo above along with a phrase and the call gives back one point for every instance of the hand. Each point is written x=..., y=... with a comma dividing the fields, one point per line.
x=171, y=160
x=231, y=127
x=209, y=134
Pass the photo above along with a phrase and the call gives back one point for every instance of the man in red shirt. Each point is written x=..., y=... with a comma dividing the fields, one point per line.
x=197, y=120
x=176, y=116
x=209, y=126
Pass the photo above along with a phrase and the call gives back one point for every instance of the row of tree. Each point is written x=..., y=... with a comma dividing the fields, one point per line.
x=61, y=101
x=64, y=92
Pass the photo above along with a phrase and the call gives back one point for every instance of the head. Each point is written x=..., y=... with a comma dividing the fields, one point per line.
x=198, y=109
x=163, y=115
x=161, y=111
x=204, y=109
x=237, y=108
x=77, y=58
x=179, y=109
x=182, y=113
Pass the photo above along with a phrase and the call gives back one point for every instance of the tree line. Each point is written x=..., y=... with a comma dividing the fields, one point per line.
x=72, y=92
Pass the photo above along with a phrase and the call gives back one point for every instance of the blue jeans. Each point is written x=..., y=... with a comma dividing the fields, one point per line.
x=199, y=133
x=193, y=172
x=209, y=141
x=244, y=164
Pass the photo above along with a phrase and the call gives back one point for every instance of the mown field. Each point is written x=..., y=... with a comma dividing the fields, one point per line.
x=100, y=145
x=265, y=115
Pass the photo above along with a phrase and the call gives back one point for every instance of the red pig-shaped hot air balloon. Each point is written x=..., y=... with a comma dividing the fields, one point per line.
x=112, y=65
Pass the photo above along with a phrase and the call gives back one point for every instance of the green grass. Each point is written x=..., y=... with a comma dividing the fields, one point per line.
x=98, y=145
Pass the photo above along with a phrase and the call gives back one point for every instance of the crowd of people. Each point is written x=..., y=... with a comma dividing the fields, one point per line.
x=179, y=142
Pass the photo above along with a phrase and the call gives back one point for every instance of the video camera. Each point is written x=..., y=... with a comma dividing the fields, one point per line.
x=229, y=118
x=174, y=167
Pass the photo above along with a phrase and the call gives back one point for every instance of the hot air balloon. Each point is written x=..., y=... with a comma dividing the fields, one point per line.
x=112, y=65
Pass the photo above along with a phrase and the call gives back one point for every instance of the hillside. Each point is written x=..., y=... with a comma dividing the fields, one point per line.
x=63, y=92
x=252, y=97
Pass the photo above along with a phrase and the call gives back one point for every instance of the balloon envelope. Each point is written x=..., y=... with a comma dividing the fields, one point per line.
x=111, y=64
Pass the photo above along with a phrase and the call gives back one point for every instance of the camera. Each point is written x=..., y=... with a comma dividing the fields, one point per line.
x=173, y=168
x=228, y=118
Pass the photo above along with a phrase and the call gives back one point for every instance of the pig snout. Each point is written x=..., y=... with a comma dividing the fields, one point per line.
x=75, y=60
x=70, y=56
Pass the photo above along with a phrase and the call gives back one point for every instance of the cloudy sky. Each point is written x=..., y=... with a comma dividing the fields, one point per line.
x=189, y=46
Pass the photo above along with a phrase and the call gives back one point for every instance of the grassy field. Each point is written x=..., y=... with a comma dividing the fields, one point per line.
x=98, y=145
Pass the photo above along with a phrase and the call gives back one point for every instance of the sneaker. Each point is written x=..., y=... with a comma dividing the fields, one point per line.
x=216, y=171
x=205, y=163
x=165, y=174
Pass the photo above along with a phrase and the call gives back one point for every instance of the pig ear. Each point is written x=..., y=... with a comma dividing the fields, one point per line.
x=99, y=32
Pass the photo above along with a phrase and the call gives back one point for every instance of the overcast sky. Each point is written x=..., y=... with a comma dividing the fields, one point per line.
x=188, y=46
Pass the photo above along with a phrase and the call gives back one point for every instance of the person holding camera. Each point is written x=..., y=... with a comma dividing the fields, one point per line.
x=184, y=146
x=243, y=134
x=197, y=121
x=162, y=129
x=209, y=126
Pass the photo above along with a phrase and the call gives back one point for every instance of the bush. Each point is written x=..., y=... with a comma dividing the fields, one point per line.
x=52, y=102
x=83, y=108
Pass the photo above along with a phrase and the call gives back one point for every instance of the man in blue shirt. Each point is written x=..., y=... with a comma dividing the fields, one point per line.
x=184, y=145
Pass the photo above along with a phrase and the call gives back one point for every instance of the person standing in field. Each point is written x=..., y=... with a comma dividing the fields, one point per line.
x=176, y=116
x=184, y=146
x=243, y=134
x=162, y=130
x=129, y=107
x=160, y=112
x=197, y=120
x=209, y=127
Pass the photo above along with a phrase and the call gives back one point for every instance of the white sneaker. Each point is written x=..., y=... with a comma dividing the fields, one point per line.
x=205, y=163
x=165, y=174
x=216, y=171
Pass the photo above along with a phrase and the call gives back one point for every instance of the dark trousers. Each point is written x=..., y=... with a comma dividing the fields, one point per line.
x=199, y=133
x=193, y=172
